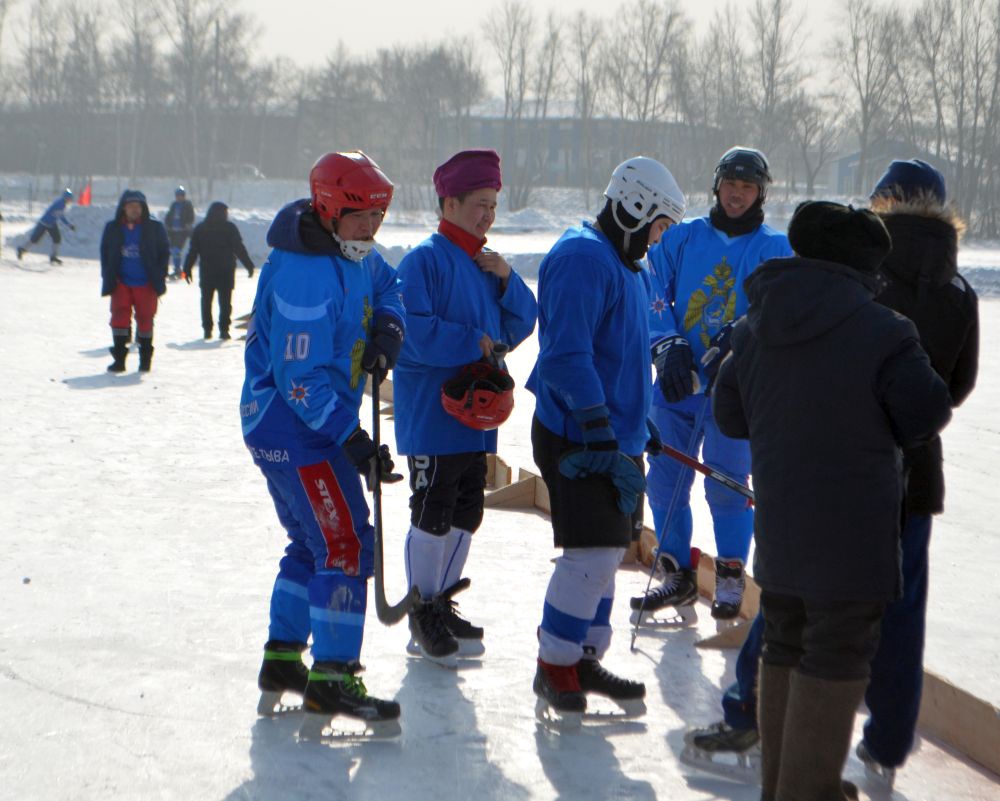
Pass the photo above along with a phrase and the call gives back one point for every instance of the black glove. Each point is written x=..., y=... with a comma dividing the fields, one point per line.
x=718, y=348
x=654, y=445
x=382, y=348
x=360, y=449
x=675, y=369
x=250, y=271
x=71, y=226
x=186, y=275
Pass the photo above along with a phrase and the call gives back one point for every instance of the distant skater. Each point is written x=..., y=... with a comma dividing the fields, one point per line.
x=48, y=223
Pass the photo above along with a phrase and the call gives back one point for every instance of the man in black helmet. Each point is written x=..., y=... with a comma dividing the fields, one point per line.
x=697, y=272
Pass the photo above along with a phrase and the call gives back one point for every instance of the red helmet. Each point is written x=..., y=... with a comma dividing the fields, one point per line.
x=349, y=180
x=481, y=396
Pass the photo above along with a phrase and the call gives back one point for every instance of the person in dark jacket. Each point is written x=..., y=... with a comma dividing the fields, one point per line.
x=134, y=258
x=179, y=223
x=218, y=244
x=827, y=385
x=921, y=280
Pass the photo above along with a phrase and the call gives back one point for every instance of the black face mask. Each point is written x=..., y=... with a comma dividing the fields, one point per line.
x=748, y=221
x=637, y=241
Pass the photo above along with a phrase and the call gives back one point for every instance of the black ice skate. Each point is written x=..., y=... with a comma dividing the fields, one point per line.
x=729, y=585
x=595, y=679
x=875, y=771
x=20, y=253
x=469, y=637
x=334, y=695
x=724, y=751
x=429, y=634
x=55, y=260
x=561, y=700
x=679, y=590
x=281, y=671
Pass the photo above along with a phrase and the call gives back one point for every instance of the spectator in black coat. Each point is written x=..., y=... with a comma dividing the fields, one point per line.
x=179, y=222
x=827, y=385
x=921, y=280
x=217, y=243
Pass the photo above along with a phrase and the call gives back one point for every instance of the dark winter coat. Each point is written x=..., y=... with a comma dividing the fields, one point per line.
x=180, y=216
x=217, y=243
x=154, y=247
x=826, y=384
x=922, y=282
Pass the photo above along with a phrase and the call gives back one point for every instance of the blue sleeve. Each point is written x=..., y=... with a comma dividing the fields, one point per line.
x=440, y=342
x=663, y=259
x=566, y=352
x=518, y=311
x=388, y=298
x=301, y=350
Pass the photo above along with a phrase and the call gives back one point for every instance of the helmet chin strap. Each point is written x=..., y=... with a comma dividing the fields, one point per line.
x=354, y=249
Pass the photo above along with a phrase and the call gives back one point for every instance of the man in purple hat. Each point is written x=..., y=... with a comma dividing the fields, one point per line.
x=464, y=304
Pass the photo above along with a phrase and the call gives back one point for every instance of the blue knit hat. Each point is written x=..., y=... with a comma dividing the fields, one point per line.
x=904, y=180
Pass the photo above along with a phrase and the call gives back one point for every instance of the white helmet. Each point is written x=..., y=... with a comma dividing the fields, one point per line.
x=646, y=190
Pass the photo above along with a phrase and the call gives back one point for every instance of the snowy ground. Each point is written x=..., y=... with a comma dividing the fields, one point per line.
x=140, y=547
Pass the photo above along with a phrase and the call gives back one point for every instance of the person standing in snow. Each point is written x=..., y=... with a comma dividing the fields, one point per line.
x=326, y=313
x=217, y=243
x=827, y=385
x=135, y=255
x=179, y=222
x=698, y=270
x=461, y=301
x=592, y=390
x=48, y=223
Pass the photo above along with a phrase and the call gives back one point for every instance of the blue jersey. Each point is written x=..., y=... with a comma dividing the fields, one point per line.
x=54, y=214
x=450, y=303
x=593, y=334
x=697, y=275
x=311, y=319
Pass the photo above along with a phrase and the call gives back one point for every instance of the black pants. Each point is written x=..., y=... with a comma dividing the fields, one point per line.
x=447, y=490
x=41, y=230
x=825, y=639
x=225, y=305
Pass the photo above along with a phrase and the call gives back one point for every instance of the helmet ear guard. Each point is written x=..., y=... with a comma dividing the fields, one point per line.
x=481, y=396
x=743, y=164
x=644, y=189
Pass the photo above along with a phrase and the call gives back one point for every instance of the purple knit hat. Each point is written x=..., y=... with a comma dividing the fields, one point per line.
x=468, y=171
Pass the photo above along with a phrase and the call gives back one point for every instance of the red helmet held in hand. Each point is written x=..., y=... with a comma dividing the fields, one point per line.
x=348, y=180
x=480, y=397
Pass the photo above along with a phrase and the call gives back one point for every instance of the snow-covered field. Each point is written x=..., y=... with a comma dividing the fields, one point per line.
x=140, y=546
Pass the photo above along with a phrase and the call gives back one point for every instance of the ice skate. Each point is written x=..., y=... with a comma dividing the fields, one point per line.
x=337, y=706
x=561, y=701
x=429, y=635
x=281, y=671
x=679, y=590
x=724, y=751
x=729, y=585
x=595, y=679
x=21, y=252
x=874, y=771
x=469, y=637
x=55, y=260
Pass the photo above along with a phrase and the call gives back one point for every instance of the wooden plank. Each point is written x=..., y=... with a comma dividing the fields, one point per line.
x=731, y=637
x=498, y=472
x=956, y=717
x=519, y=495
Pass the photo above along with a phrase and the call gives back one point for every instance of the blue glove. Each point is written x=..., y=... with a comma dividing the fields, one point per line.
x=654, y=445
x=383, y=346
x=600, y=456
x=675, y=368
x=718, y=348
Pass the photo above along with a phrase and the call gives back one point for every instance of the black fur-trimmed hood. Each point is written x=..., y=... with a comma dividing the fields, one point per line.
x=925, y=238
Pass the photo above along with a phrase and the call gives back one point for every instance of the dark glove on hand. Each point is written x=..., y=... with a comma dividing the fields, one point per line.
x=718, y=348
x=71, y=226
x=383, y=346
x=360, y=449
x=654, y=445
x=675, y=368
x=250, y=271
x=186, y=276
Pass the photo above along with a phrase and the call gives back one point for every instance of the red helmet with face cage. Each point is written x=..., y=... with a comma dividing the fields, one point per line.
x=480, y=397
x=348, y=180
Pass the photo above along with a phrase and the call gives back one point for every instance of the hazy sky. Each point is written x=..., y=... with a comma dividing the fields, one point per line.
x=307, y=30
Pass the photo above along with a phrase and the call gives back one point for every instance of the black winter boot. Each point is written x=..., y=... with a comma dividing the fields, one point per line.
x=145, y=354
x=119, y=351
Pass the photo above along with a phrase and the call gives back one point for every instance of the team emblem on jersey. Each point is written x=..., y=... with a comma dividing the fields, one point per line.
x=359, y=345
x=299, y=393
x=713, y=304
x=658, y=305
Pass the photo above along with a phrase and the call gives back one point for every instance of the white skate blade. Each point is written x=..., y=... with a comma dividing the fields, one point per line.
x=686, y=615
x=555, y=719
x=743, y=766
x=450, y=661
x=336, y=728
x=624, y=708
x=467, y=649
x=726, y=623
x=882, y=777
x=270, y=704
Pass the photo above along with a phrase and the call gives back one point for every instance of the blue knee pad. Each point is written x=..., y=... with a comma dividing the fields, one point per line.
x=337, y=605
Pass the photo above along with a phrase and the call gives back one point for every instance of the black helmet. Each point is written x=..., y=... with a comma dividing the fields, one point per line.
x=743, y=164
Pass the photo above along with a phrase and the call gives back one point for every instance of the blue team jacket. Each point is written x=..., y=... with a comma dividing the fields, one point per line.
x=310, y=323
x=450, y=303
x=593, y=334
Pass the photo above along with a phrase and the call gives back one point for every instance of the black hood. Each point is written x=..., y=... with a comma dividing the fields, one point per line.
x=129, y=196
x=297, y=228
x=217, y=214
x=794, y=300
x=924, y=243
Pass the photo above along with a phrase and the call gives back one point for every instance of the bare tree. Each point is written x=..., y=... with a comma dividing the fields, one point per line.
x=775, y=74
x=584, y=40
x=816, y=135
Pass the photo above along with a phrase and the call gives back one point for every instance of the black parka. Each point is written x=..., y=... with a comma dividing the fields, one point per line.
x=217, y=243
x=826, y=384
x=922, y=282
